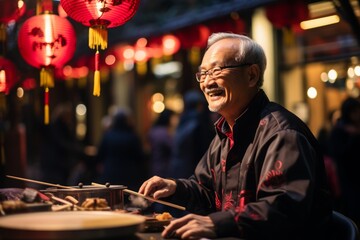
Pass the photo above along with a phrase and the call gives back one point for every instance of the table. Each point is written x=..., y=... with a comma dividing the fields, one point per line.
x=157, y=236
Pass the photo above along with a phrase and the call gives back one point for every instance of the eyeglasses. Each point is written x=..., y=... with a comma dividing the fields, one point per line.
x=215, y=72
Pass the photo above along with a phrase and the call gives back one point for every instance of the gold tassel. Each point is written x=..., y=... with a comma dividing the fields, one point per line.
x=98, y=36
x=47, y=77
x=194, y=56
x=141, y=68
x=46, y=80
x=96, y=91
x=46, y=114
x=46, y=106
x=289, y=37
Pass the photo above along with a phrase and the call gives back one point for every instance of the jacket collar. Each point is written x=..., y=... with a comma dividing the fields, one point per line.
x=250, y=116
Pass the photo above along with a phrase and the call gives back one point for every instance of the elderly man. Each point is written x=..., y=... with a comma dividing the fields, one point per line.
x=262, y=176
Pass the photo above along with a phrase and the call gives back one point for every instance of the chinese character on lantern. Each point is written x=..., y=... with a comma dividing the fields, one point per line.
x=46, y=41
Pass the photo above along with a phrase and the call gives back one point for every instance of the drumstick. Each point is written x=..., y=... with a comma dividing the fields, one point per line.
x=147, y=197
x=65, y=202
x=39, y=182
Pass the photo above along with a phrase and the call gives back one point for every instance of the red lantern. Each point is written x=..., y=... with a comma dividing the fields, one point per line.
x=170, y=44
x=9, y=11
x=165, y=45
x=156, y=46
x=232, y=23
x=100, y=15
x=287, y=13
x=46, y=41
x=8, y=75
x=29, y=83
x=194, y=36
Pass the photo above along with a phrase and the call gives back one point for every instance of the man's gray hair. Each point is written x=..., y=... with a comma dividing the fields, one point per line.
x=249, y=51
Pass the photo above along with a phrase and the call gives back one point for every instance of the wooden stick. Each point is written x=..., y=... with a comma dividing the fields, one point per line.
x=65, y=202
x=39, y=182
x=155, y=200
x=146, y=197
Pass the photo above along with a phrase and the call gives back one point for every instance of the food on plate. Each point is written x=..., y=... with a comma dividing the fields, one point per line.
x=72, y=199
x=95, y=204
x=163, y=216
x=157, y=222
x=13, y=206
x=135, y=211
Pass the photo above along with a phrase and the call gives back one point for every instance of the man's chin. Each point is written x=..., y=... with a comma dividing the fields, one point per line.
x=215, y=108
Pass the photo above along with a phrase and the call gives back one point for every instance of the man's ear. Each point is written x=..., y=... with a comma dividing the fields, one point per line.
x=254, y=74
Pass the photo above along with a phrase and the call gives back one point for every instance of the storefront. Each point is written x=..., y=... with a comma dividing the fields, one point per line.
x=318, y=66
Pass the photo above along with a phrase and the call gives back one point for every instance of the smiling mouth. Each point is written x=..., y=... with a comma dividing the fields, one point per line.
x=215, y=93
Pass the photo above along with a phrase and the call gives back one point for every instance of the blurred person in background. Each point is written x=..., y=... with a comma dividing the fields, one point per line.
x=192, y=136
x=61, y=152
x=343, y=148
x=263, y=175
x=330, y=165
x=160, y=138
x=120, y=156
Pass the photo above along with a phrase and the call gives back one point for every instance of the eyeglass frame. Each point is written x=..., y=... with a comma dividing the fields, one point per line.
x=210, y=72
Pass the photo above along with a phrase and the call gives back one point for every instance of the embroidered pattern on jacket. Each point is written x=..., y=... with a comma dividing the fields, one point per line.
x=217, y=202
x=275, y=177
x=223, y=165
x=229, y=201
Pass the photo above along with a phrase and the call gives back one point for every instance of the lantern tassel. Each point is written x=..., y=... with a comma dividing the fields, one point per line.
x=46, y=77
x=46, y=80
x=46, y=107
x=96, y=91
x=98, y=36
x=141, y=68
x=194, y=56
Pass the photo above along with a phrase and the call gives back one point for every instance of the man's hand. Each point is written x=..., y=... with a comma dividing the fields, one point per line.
x=158, y=187
x=191, y=226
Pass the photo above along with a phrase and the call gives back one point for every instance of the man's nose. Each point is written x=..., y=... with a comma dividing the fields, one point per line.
x=208, y=78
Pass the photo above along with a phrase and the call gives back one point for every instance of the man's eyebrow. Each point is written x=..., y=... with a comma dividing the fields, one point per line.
x=212, y=65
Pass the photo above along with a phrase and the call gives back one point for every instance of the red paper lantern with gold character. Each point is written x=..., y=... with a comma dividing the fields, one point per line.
x=8, y=75
x=46, y=41
x=100, y=15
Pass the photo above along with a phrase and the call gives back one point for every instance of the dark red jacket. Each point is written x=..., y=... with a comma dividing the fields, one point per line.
x=266, y=180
